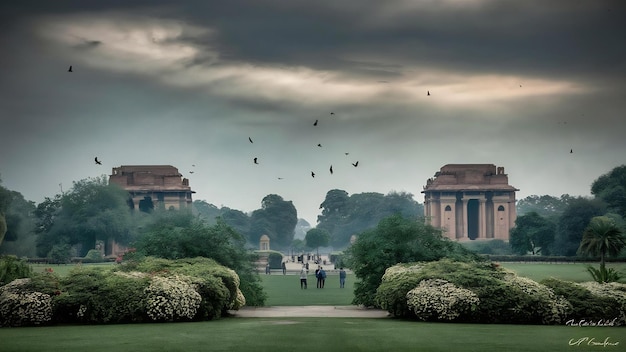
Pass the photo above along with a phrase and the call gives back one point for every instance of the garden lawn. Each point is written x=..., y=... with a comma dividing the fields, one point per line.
x=576, y=272
x=308, y=334
x=284, y=290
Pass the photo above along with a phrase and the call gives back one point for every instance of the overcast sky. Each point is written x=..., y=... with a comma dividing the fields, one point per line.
x=513, y=83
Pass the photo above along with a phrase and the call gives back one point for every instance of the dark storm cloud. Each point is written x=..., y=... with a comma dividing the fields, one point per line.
x=557, y=38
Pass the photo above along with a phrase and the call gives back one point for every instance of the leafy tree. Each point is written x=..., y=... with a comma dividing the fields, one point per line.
x=395, y=240
x=611, y=187
x=178, y=234
x=546, y=206
x=12, y=268
x=277, y=219
x=206, y=210
x=316, y=238
x=572, y=223
x=532, y=233
x=92, y=210
x=344, y=216
x=602, y=237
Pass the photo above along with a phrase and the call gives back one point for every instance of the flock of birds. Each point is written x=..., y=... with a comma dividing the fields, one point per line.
x=315, y=124
x=255, y=160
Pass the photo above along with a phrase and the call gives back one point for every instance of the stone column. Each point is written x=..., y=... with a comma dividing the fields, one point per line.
x=482, y=219
x=464, y=225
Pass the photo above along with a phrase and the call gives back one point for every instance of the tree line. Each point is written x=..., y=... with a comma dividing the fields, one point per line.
x=548, y=225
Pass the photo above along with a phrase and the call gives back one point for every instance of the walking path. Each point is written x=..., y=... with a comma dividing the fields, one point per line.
x=309, y=311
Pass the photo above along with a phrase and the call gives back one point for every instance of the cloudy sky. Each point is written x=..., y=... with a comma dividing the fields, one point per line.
x=513, y=83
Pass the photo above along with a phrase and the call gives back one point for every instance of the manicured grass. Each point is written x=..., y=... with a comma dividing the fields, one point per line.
x=284, y=290
x=576, y=272
x=307, y=334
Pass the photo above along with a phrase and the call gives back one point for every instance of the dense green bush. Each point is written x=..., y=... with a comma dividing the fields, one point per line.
x=12, y=268
x=586, y=305
x=219, y=286
x=94, y=256
x=396, y=240
x=151, y=289
x=497, y=295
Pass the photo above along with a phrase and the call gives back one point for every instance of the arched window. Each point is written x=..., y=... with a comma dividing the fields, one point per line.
x=501, y=208
x=448, y=208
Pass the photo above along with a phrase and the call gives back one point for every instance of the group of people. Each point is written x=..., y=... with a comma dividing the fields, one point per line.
x=320, y=275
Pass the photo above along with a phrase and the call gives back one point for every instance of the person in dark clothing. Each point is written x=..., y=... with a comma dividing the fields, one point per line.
x=322, y=277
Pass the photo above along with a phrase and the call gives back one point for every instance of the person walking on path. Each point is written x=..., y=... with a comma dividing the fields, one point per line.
x=303, y=273
x=322, y=275
x=284, y=268
x=342, y=278
x=267, y=269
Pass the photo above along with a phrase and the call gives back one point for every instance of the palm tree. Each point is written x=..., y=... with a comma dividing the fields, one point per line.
x=602, y=237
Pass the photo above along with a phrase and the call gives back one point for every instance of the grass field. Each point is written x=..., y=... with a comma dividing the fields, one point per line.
x=576, y=272
x=284, y=290
x=308, y=334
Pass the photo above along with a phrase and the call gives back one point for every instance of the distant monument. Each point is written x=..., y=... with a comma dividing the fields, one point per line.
x=471, y=202
x=150, y=186
x=264, y=243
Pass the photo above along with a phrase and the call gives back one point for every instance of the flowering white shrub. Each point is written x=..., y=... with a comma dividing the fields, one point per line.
x=551, y=308
x=613, y=290
x=172, y=298
x=440, y=300
x=393, y=272
x=19, y=307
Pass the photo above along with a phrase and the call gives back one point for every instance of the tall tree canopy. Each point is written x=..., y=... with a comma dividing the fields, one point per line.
x=277, y=219
x=611, y=188
x=532, y=233
x=343, y=216
x=394, y=240
x=546, y=206
x=572, y=223
x=92, y=210
x=316, y=238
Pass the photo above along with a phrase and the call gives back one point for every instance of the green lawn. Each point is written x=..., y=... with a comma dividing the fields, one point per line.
x=576, y=272
x=284, y=290
x=307, y=334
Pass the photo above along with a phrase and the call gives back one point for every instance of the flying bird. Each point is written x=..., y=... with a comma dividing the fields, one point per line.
x=319, y=144
x=280, y=178
x=70, y=69
x=191, y=172
x=355, y=164
x=428, y=93
x=97, y=161
x=331, y=169
x=571, y=151
x=315, y=124
x=312, y=174
x=194, y=165
x=346, y=153
x=250, y=139
x=332, y=113
x=255, y=161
